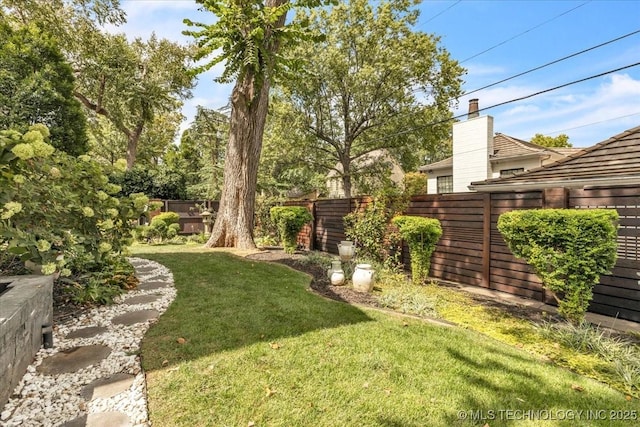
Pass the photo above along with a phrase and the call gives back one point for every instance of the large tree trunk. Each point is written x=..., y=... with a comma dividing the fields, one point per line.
x=235, y=219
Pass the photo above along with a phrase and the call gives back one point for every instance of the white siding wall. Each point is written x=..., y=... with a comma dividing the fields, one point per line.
x=432, y=186
x=527, y=164
x=472, y=143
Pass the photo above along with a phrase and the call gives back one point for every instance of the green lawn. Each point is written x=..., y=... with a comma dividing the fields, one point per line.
x=260, y=349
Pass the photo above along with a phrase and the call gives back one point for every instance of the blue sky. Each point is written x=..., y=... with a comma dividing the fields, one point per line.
x=520, y=35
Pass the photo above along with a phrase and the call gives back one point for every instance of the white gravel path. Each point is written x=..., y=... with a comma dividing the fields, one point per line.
x=43, y=400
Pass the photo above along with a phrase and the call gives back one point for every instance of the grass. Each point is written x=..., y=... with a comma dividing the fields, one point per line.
x=259, y=349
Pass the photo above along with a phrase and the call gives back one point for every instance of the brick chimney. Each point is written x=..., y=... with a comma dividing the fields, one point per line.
x=473, y=108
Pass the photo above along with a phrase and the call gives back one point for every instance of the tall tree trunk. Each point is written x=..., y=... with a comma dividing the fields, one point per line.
x=234, y=222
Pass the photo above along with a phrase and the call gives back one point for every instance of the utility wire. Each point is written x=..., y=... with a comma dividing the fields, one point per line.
x=593, y=123
x=403, y=132
x=553, y=62
x=522, y=33
x=559, y=87
x=438, y=14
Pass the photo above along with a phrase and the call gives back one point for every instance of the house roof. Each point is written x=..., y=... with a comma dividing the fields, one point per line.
x=615, y=160
x=504, y=146
x=367, y=159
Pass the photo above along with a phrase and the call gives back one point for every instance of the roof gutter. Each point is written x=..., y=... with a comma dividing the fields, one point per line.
x=586, y=183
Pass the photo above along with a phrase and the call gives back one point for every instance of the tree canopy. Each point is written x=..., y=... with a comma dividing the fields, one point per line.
x=560, y=141
x=36, y=86
x=372, y=83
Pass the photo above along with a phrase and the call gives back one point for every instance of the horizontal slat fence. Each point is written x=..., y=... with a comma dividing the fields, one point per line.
x=458, y=254
x=472, y=251
x=617, y=294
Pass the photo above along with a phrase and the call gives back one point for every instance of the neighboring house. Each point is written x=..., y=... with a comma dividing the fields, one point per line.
x=364, y=176
x=613, y=162
x=479, y=154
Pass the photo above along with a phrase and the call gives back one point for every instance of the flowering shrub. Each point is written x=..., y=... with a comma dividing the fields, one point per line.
x=60, y=211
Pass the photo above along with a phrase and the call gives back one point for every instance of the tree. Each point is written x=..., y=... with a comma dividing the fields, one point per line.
x=250, y=35
x=127, y=83
x=374, y=83
x=36, y=86
x=131, y=84
x=202, y=148
x=560, y=141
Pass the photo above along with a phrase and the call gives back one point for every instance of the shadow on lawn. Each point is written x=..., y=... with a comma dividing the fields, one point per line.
x=522, y=395
x=225, y=302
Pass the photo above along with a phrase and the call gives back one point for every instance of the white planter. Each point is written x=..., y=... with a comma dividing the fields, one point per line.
x=337, y=277
x=363, y=278
x=335, y=266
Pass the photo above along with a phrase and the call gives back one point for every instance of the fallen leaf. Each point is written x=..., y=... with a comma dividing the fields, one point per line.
x=251, y=424
x=274, y=345
x=269, y=392
x=388, y=392
x=181, y=340
x=365, y=385
x=165, y=362
x=486, y=425
x=519, y=400
x=628, y=398
x=576, y=387
x=434, y=400
x=405, y=324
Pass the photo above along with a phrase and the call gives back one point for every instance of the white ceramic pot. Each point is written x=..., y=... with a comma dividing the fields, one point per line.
x=346, y=249
x=337, y=277
x=363, y=278
x=335, y=265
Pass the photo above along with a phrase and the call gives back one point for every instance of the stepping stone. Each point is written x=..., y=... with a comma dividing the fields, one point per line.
x=77, y=422
x=73, y=359
x=88, y=332
x=149, y=286
x=108, y=419
x=134, y=317
x=141, y=299
x=145, y=270
x=160, y=278
x=107, y=387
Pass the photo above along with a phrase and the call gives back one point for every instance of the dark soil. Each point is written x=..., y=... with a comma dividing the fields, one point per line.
x=320, y=284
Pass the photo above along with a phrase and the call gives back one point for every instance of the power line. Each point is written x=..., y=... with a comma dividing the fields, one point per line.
x=553, y=62
x=593, y=123
x=438, y=14
x=406, y=131
x=524, y=32
x=559, y=87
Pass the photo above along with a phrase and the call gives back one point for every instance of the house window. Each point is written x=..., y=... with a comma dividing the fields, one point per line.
x=510, y=172
x=445, y=184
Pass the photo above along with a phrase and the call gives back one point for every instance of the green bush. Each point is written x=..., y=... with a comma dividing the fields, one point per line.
x=370, y=228
x=164, y=226
x=421, y=235
x=568, y=249
x=290, y=220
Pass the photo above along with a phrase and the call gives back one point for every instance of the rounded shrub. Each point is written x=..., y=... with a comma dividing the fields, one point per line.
x=567, y=248
x=289, y=220
x=421, y=235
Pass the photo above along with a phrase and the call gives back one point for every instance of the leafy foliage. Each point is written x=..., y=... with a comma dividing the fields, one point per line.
x=60, y=211
x=290, y=220
x=370, y=227
x=568, y=250
x=415, y=183
x=361, y=91
x=421, y=235
x=37, y=87
x=560, y=141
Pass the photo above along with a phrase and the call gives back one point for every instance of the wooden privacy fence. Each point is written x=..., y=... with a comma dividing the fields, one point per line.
x=472, y=251
x=189, y=211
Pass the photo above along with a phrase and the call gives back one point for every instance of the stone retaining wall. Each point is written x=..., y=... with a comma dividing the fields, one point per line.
x=25, y=307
